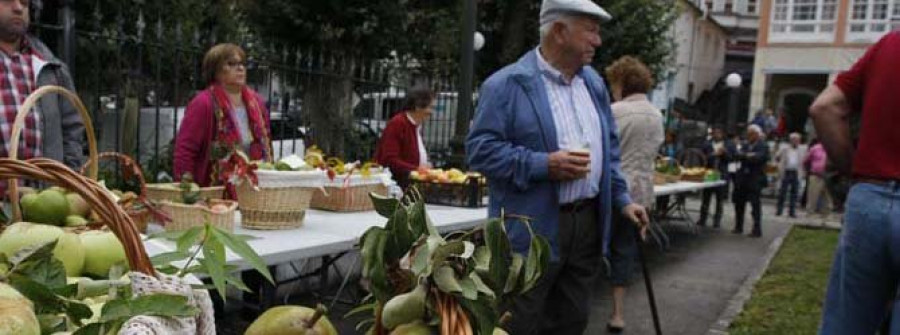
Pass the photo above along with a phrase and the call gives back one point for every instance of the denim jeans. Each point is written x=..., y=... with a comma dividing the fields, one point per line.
x=864, y=275
x=789, y=180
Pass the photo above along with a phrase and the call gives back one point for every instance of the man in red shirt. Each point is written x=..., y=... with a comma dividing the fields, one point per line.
x=866, y=267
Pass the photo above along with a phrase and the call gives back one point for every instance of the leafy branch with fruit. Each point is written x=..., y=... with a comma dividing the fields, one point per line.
x=421, y=281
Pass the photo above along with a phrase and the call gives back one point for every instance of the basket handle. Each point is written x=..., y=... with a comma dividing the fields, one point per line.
x=48, y=170
x=19, y=125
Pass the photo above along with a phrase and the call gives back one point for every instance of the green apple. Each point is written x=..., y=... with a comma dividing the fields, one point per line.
x=102, y=250
x=24, y=234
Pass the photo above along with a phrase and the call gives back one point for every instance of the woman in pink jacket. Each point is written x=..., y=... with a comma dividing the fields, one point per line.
x=224, y=118
x=816, y=159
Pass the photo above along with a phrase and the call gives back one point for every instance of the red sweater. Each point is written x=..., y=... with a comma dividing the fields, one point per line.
x=871, y=88
x=399, y=148
x=195, y=138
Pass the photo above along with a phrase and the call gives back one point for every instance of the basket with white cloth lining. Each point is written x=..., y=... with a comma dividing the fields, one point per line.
x=280, y=199
x=350, y=192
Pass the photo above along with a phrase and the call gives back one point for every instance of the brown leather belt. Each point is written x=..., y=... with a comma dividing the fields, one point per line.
x=876, y=181
x=578, y=205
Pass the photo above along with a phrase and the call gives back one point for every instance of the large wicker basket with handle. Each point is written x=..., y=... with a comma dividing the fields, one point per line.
x=119, y=222
x=19, y=125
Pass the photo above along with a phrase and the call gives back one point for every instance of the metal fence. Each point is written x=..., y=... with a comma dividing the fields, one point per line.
x=138, y=78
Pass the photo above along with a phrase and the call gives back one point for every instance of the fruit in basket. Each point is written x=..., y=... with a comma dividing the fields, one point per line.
x=292, y=320
x=24, y=234
x=414, y=328
x=265, y=166
x=76, y=221
x=102, y=250
x=50, y=207
x=219, y=209
x=190, y=191
x=16, y=313
x=404, y=308
x=77, y=205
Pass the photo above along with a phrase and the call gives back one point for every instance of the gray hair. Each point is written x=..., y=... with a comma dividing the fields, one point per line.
x=756, y=129
x=795, y=135
x=565, y=18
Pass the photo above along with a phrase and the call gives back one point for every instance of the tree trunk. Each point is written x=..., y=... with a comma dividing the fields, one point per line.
x=515, y=30
x=328, y=102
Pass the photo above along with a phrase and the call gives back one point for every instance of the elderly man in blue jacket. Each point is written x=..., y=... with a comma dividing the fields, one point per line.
x=545, y=137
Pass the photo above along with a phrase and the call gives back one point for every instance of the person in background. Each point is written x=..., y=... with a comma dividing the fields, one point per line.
x=718, y=151
x=640, y=134
x=545, y=138
x=816, y=160
x=750, y=179
x=771, y=122
x=401, y=148
x=54, y=129
x=226, y=117
x=759, y=119
x=790, y=163
x=864, y=275
x=670, y=147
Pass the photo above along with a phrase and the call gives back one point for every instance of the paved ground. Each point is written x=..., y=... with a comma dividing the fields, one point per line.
x=694, y=280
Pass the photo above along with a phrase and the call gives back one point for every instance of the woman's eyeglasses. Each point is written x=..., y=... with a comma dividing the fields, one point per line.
x=236, y=64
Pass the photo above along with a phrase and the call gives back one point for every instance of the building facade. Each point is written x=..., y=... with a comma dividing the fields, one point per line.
x=803, y=44
x=699, y=60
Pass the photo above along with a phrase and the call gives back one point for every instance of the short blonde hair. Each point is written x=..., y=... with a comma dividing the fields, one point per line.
x=631, y=74
x=217, y=56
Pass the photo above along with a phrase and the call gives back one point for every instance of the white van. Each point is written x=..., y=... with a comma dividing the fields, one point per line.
x=375, y=109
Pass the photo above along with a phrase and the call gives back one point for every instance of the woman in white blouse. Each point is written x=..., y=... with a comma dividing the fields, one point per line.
x=640, y=136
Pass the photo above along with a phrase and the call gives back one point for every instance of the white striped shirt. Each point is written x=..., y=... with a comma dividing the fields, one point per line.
x=577, y=127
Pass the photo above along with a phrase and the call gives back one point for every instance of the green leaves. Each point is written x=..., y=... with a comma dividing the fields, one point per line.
x=479, y=271
x=149, y=305
x=213, y=243
x=116, y=312
x=384, y=206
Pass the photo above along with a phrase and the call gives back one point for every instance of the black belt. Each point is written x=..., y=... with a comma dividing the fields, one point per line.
x=577, y=205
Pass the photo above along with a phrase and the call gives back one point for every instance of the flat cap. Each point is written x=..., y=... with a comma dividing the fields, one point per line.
x=552, y=9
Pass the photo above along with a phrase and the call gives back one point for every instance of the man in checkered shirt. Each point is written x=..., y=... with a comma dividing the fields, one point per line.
x=53, y=129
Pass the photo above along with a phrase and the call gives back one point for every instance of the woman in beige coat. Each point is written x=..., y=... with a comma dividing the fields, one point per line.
x=640, y=135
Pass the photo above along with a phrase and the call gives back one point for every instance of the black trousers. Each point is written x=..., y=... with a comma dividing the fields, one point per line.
x=721, y=196
x=741, y=197
x=560, y=302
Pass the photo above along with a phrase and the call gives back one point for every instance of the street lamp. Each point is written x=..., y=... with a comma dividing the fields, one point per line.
x=733, y=81
x=479, y=41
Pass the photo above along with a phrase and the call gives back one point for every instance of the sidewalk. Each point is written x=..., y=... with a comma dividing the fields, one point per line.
x=695, y=279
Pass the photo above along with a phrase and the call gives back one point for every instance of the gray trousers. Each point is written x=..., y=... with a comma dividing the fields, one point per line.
x=560, y=302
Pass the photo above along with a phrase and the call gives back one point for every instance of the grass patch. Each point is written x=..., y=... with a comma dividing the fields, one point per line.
x=789, y=297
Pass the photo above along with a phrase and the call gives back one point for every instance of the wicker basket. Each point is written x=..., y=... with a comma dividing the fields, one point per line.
x=139, y=211
x=19, y=125
x=188, y=216
x=170, y=192
x=350, y=193
x=280, y=199
x=119, y=222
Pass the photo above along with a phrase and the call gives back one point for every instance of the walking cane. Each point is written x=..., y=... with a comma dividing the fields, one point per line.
x=647, y=282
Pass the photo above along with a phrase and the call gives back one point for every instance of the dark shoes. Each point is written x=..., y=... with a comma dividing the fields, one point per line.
x=614, y=329
x=738, y=232
x=756, y=234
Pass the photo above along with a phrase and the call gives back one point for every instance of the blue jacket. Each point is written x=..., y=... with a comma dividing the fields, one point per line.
x=513, y=134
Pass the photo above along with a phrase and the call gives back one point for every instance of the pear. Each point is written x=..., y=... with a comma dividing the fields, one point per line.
x=404, y=308
x=415, y=328
x=292, y=320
